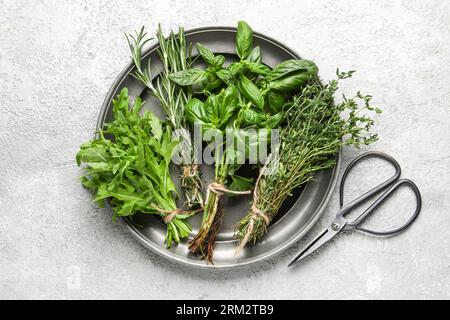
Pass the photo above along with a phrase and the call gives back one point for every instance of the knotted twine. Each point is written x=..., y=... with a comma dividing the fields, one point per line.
x=190, y=171
x=255, y=212
x=219, y=189
x=170, y=214
x=213, y=187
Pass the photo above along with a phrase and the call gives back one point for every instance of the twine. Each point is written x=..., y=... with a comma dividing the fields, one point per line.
x=190, y=171
x=172, y=213
x=255, y=212
x=220, y=190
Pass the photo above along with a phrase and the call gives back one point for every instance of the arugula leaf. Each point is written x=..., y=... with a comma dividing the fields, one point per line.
x=92, y=152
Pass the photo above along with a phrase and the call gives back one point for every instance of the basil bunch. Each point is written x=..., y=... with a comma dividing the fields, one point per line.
x=231, y=99
x=266, y=89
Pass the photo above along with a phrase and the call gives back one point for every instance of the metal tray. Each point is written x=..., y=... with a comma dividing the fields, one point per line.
x=299, y=212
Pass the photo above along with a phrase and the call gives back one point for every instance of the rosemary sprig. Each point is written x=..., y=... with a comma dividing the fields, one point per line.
x=174, y=54
x=315, y=131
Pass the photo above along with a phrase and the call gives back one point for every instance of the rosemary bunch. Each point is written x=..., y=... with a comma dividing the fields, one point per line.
x=315, y=131
x=174, y=54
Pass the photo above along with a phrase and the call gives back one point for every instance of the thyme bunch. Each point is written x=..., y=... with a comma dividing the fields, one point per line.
x=316, y=128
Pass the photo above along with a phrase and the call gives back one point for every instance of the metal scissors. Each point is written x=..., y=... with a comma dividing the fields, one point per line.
x=341, y=224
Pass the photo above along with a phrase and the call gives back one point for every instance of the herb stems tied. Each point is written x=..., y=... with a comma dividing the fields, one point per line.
x=316, y=129
x=204, y=241
x=175, y=57
x=127, y=163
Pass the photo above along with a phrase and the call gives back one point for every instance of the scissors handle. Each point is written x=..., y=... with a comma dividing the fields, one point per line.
x=361, y=199
x=356, y=223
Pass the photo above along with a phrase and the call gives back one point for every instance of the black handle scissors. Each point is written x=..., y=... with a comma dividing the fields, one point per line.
x=340, y=224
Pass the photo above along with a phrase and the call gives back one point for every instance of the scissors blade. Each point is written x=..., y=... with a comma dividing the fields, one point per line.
x=325, y=236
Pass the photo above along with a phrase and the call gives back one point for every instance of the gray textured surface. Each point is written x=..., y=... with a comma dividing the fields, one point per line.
x=57, y=61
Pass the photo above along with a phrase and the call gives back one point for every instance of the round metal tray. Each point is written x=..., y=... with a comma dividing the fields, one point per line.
x=296, y=217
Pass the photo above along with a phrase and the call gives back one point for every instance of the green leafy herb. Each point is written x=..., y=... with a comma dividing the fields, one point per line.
x=316, y=129
x=251, y=92
x=131, y=167
x=292, y=66
x=276, y=101
x=244, y=40
x=291, y=75
x=189, y=77
x=173, y=52
x=255, y=55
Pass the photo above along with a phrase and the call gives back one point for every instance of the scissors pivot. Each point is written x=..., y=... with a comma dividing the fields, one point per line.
x=335, y=226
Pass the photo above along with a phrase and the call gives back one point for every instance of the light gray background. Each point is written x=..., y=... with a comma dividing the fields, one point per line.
x=58, y=60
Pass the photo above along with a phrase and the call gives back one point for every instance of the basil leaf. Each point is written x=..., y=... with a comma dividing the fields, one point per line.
x=244, y=39
x=209, y=57
x=255, y=55
x=218, y=61
x=258, y=68
x=196, y=111
x=276, y=101
x=251, y=117
x=251, y=92
x=229, y=103
x=207, y=54
x=291, y=66
x=235, y=68
x=225, y=75
x=241, y=183
x=230, y=96
x=273, y=121
x=212, y=106
x=189, y=77
x=213, y=85
x=290, y=82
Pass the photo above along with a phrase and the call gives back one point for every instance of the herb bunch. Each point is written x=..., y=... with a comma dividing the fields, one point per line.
x=316, y=128
x=229, y=100
x=128, y=161
x=175, y=56
x=130, y=167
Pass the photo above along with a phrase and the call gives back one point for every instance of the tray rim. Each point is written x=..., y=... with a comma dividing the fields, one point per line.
x=199, y=264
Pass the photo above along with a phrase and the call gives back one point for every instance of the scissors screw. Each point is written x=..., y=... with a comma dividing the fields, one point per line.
x=335, y=226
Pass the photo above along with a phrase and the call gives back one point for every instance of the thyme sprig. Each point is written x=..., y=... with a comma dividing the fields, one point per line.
x=316, y=128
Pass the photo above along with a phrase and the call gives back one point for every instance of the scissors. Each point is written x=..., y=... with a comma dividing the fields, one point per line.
x=341, y=224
